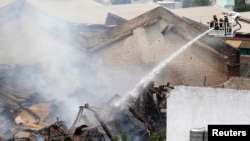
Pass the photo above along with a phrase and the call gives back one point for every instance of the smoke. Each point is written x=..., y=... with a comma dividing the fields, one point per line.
x=68, y=77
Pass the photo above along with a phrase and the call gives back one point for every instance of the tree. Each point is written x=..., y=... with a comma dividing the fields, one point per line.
x=201, y=3
x=241, y=6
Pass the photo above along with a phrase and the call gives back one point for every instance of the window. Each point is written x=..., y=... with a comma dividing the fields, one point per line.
x=245, y=51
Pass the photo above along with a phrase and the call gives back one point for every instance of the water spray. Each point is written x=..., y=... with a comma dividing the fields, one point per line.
x=145, y=80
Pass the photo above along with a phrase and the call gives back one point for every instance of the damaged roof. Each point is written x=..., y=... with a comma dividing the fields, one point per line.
x=153, y=16
x=155, y=35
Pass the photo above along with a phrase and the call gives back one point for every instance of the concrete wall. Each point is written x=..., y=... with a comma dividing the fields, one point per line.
x=147, y=47
x=194, y=107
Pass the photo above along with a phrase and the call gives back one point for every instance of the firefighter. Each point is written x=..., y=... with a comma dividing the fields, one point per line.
x=225, y=19
x=221, y=23
x=215, y=18
x=211, y=24
x=216, y=26
x=226, y=25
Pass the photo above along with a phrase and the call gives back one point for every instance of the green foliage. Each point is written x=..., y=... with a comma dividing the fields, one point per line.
x=158, y=136
x=241, y=6
x=115, y=138
x=124, y=136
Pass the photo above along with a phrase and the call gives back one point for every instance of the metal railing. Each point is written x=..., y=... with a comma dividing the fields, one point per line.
x=221, y=29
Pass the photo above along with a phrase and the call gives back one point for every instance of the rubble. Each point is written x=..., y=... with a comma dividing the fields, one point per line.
x=31, y=117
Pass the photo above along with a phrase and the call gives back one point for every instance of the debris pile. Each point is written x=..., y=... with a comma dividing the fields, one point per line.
x=23, y=111
x=26, y=115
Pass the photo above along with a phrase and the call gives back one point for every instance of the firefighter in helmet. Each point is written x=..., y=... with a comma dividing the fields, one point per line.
x=215, y=20
x=211, y=24
x=221, y=23
x=226, y=25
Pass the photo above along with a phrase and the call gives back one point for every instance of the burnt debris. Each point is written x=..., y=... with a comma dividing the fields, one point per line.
x=26, y=116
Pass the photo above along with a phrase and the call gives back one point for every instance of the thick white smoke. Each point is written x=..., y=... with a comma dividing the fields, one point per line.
x=69, y=76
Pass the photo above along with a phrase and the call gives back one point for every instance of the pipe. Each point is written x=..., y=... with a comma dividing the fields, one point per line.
x=141, y=119
x=244, y=20
x=105, y=128
x=237, y=23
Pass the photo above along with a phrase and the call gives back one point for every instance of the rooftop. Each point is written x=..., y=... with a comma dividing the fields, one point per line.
x=84, y=11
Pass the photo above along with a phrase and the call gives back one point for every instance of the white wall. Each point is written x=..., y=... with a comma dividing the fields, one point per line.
x=247, y=1
x=194, y=107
